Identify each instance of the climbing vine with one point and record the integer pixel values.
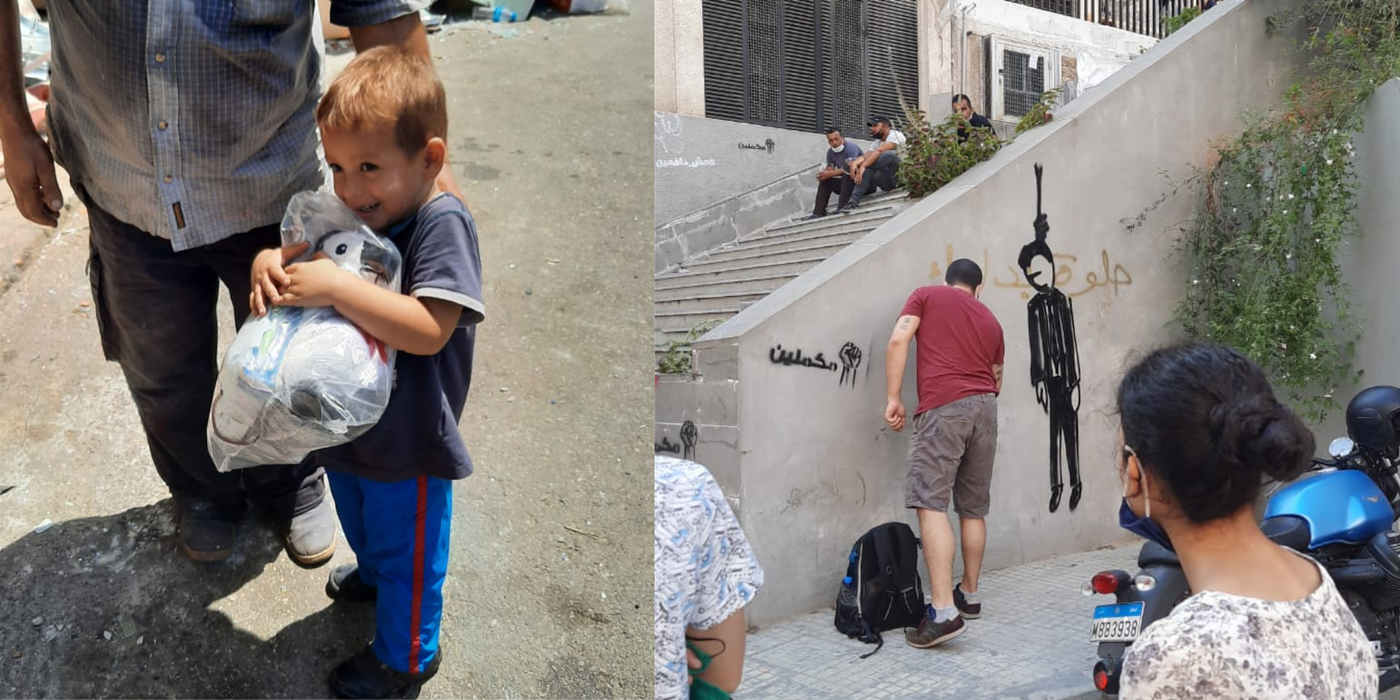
(1275, 210)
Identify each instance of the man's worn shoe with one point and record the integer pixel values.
(345, 584)
(206, 533)
(930, 633)
(365, 676)
(310, 536)
(971, 611)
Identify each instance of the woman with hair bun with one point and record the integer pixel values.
(1201, 429)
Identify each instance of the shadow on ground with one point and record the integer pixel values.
(106, 606)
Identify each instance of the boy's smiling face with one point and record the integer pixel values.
(376, 178)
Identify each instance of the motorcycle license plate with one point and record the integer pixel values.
(1117, 623)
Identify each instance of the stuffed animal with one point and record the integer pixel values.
(305, 378)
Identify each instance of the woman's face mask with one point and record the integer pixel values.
(1143, 527)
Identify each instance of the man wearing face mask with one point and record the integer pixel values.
(959, 368)
(836, 176)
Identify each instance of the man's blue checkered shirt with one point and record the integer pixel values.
(193, 119)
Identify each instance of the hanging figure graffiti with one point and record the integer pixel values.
(1054, 356)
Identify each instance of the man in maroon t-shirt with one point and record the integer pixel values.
(961, 353)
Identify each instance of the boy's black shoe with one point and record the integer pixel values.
(345, 584)
(365, 676)
(971, 611)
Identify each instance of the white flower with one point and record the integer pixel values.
(1319, 240)
(1195, 281)
(1329, 161)
(1283, 345)
(1312, 355)
(1233, 210)
(1290, 195)
(1285, 211)
(1247, 185)
(1288, 256)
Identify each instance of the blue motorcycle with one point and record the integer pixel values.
(1343, 516)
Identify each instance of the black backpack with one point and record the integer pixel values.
(882, 590)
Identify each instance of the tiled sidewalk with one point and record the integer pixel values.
(1031, 642)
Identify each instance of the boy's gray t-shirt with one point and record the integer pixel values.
(418, 432)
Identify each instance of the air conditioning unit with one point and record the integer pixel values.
(1020, 74)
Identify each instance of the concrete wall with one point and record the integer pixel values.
(816, 465)
(725, 222)
(1370, 260)
(680, 57)
(700, 162)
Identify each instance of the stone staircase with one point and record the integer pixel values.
(716, 285)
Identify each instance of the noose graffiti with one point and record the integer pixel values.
(1054, 357)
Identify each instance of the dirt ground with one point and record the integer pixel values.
(549, 571)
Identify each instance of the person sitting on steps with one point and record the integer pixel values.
(836, 176)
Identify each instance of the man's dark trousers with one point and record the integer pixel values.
(841, 183)
(883, 173)
(157, 317)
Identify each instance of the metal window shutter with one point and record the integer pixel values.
(892, 41)
(845, 69)
(723, 22)
(801, 73)
(1022, 84)
(763, 19)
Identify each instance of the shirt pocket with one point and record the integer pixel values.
(267, 14)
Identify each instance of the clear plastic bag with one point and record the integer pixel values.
(301, 379)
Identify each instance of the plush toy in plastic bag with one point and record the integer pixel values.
(300, 378)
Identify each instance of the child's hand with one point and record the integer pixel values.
(269, 278)
(316, 283)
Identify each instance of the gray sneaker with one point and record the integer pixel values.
(310, 537)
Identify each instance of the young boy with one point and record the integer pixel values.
(383, 124)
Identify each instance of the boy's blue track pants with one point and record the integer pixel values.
(399, 532)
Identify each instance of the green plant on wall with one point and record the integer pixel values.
(1039, 112)
(934, 155)
(1274, 212)
(1179, 20)
(677, 359)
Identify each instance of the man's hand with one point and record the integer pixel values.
(316, 283)
(30, 173)
(692, 661)
(269, 277)
(894, 415)
(857, 171)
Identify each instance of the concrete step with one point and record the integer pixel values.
(793, 241)
(736, 285)
(739, 270)
(864, 214)
(690, 302)
(689, 319)
(820, 249)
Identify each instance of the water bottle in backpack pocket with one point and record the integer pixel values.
(882, 589)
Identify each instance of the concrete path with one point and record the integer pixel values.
(549, 577)
(1031, 643)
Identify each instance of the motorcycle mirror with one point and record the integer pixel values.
(1341, 447)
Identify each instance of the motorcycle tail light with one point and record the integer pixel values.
(1145, 582)
(1101, 679)
(1105, 582)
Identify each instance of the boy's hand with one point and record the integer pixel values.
(269, 277)
(316, 283)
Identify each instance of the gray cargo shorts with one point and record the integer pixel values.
(951, 454)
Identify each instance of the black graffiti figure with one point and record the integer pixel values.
(1054, 357)
(689, 435)
(850, 362)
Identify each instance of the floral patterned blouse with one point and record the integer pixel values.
(1217, 645)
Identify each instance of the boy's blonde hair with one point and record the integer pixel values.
(388, 85)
